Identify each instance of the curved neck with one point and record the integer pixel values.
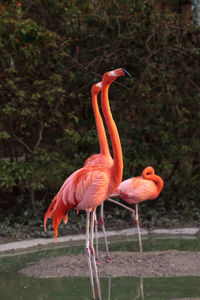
(158, 181)
(104, 148)
(115, 140)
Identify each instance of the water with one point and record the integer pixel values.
(20, 288)
(14, 285)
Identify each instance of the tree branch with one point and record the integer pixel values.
(24, 144)
(39, 137)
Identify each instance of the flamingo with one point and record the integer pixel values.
(88, 187)
(104, 157)
(138, 189)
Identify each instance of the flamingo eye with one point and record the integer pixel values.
(111, 73)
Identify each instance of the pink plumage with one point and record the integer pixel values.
(85, 189)
(137, 190)
(89, 186)
(141, 188)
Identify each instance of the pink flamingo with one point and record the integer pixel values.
(139, 189)
(89, 186)
(129, 186)
(102, 158)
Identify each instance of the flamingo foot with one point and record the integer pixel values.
(109, 259)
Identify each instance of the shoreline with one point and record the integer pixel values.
(26, 244)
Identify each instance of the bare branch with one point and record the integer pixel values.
(39, 137)
(24, 144)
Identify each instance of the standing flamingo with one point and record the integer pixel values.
(102, 158)
(89, 186)
(139, 189)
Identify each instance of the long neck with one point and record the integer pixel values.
(158, 181)
(117, 167)
(104, 148)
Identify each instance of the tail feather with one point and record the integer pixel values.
(57, 210)
(49, 212)
(65, 218)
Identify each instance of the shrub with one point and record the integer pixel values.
(51, 54)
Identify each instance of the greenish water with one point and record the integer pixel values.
(14, 285)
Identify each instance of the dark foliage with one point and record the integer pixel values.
(51, 54)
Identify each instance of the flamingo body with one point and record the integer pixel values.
(85, 189)
(137, 189)
(99, 158)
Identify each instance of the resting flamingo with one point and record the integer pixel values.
(89, 186)
(138, 189)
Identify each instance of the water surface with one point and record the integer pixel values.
(14, 285)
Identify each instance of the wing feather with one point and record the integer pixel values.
(84, 189)
(138, 189)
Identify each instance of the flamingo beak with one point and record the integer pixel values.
(126, 73)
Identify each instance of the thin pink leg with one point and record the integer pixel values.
(93, 255)
(87, 251)
(122, 205)
(108, 258)
(96, 236)
(138, 227)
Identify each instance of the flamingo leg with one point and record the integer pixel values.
(96, 236)
(88, 255)
(92, 251)
(122, 205)
(138, 227)
(108, 258)
(134, 213)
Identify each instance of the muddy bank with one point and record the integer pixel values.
(148, 264)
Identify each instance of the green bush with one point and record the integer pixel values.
(51, 54)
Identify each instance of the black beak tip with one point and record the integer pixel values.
(126, 73)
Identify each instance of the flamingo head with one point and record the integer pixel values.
(110, 76)
(148, 172)
(96, 88)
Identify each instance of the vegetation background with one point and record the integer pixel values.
(51, 52)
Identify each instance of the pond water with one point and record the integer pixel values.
(14, 285)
